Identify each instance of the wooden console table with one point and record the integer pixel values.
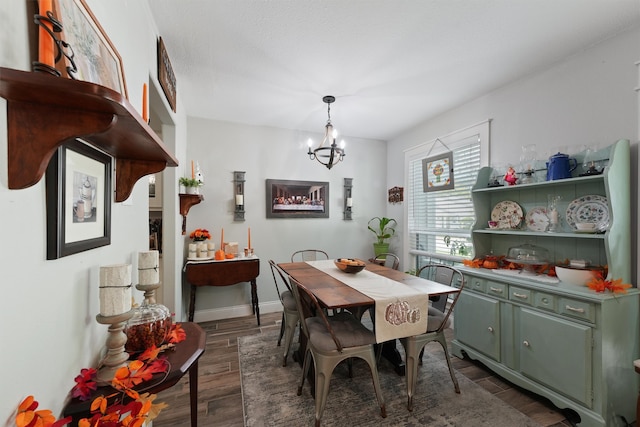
(223, 273)
(181, 359)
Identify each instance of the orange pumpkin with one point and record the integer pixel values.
(219, 255)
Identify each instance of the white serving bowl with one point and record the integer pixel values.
(574, 276)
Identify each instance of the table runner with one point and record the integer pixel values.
(400, 310)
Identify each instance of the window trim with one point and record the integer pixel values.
(481, 129)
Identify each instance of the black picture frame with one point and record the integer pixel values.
(297, 199)
(78, 175)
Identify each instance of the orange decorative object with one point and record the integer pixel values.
(229, 256)
(145, 106)
(219, 255)
(45, 41)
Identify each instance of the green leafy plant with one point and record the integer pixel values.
(457, 246)
(189, 182)
(382, 227)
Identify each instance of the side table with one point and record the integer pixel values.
(182, 359)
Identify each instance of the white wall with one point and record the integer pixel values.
(271, 153)
(588, 98)
(48, 308)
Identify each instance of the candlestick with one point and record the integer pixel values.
(45, 41)
(222, 239)
(145, 111)
(193, 174)
(249, 238)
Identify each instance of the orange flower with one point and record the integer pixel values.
(200, 235)
(599, 284)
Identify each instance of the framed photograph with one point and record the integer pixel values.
(95, 57)
(297, 199)
(78, 192)
(437, 172)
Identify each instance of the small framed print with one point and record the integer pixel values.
(437, 172)
(78, 192)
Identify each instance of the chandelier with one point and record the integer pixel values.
(328, 153)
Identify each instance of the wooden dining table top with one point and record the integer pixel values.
(333, 294)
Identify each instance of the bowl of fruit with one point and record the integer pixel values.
(350, 265)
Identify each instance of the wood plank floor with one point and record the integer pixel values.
(220, 398)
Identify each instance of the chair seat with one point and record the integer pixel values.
(349, 331)
(288, 301)
(435, 318)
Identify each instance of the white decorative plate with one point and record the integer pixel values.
(537, 219)
(592, 208)
(200, 258)
(507, 214)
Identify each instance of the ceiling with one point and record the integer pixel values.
(391, 64)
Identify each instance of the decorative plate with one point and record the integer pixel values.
(507, 214)
(537, 219)
(592, 208)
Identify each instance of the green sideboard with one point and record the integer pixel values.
(565, 342)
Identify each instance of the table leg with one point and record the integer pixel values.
(193, 393)
(391, 353)
(192, 302)
(254, 300)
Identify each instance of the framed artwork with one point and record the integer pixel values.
(78, 192)
(95, 57)
(297, 199)
(437, 172)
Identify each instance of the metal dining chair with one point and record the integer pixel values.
(388, 260)
(330, 340)
(290, 315)
(309, 255)
(438, 320)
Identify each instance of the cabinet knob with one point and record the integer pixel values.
(526, 343)
(490, 329)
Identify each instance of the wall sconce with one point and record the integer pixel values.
(348, 200)
(238, 180)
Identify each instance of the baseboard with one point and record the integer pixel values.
(234, 311)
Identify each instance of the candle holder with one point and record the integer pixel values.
(116, 357)
(348, 200)
(238, 179)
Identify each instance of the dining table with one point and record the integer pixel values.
(329, 287)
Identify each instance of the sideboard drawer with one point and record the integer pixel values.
(520, 295)
(477, 284)
(497, 289)
(579, 309)
(545, 301)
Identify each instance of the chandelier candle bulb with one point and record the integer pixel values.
(148, 271)
(115, 289)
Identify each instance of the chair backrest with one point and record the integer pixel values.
(298, 289)
(283, 279)
(446, 275)
(309, 255)
(388, 260)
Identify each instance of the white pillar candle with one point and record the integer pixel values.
(148, 269)
(193, 247)
(115, 289)
(203, 250)
(239, 200)
(211, 246)
(349, 202)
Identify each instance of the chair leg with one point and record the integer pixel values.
(371, 361)
(282, 326)
(290, 322)
(412, 350)
(324, 369)
(305, 370)
(443, 342)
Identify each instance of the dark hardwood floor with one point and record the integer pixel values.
(220, 398)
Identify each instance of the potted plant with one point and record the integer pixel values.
(191, 185)
(383, 228)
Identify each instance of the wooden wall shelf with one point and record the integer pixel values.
(44, 112)
(186, 201)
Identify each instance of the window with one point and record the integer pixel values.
(439, 223)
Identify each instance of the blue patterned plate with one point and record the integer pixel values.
(592, 208)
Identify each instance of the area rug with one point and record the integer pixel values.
(269, 394)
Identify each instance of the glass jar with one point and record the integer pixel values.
(150, 325)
